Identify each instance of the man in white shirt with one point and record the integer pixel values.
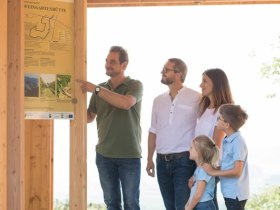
(174, 117)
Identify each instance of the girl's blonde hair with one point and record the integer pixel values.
(207, 150)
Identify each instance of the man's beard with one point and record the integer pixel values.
(167, 81)
(111, 73)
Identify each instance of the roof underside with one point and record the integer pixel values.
(121, 3)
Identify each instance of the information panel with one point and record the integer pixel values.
(48, 59)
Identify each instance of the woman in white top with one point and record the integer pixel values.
(216, 91)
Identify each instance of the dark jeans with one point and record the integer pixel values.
(173, 176)
(117, 173)
(235, 204)
(207, 205)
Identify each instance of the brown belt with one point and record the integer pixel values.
(173, 156)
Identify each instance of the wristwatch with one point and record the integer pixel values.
(97, 90)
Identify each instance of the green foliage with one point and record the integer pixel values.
(64, 205)
(47, 89)
(96, 207)
(272, 73)
(64, 86)
(268, 200)
(59, 205)
(272, 70)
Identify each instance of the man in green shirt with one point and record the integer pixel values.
(116, 104)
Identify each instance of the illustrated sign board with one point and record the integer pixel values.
(48, 59)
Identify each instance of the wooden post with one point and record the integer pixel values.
(3, 105)
(15, 129)
(39, 164)
(78, 143)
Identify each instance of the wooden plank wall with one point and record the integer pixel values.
(78, 143)
(118, 3)
(15, 129)
(39, 164)
(3, 105)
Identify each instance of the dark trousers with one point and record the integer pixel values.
(235, 204)
(173, 173)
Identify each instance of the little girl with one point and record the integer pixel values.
(203, 150)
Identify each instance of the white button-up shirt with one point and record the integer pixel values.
(174, 122)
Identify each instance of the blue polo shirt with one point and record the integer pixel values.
(235, 149)
(201, 175)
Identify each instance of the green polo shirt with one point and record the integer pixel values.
(119, 130)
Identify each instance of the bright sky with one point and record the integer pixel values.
(238, 39)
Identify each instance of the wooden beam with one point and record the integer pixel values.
(3, 104)
(121, 3)
(15, 112)
(78, 143)
(39, 164)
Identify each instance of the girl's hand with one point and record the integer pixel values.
(191, 182)
(187, 206)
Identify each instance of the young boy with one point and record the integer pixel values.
(233, 173)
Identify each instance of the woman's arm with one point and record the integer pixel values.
(218, 137)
